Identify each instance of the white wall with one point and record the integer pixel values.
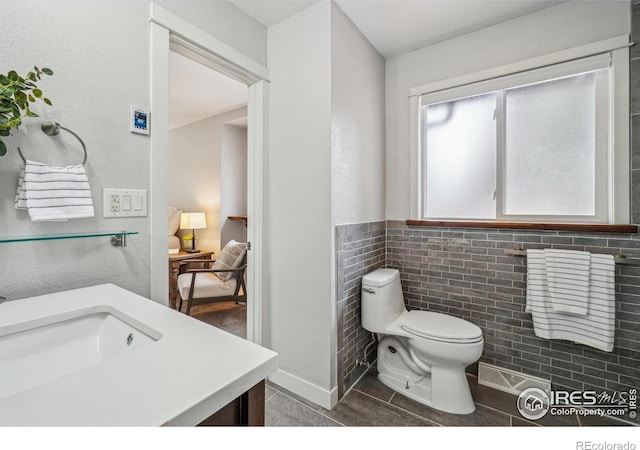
(99, 52)
(357, 125)
(98, 74)
(226, 22)
(299, 205)
(326, 167)
(567, 25)
(195, 161)
(233, 183)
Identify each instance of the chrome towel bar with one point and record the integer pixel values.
(619, 258)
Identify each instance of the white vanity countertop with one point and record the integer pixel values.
(191, 372)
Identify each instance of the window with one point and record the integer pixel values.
(535, 146)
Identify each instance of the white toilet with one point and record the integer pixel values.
(421, 354)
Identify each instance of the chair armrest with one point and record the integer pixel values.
(237, 269)
(184, 265)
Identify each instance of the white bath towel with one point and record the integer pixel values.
(568, 273)
(597, 327)
(54, 193)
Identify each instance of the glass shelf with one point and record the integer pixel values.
(52, 237)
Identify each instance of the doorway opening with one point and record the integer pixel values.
(170, 32)
(207, 174)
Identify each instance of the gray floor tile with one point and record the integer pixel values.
(482, 416)
(283, 411)
(507, 403)
(515, 422)
(369, 384)
(596, 421)
(361, 410)
(558, 421)
(294, 396)
(493, 398)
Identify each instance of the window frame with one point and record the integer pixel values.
(613, 198)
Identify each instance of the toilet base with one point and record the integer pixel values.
(444, 388)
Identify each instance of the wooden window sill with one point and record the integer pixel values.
(579, 227)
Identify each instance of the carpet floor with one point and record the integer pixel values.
(225, 315)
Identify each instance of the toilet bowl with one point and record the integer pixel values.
(421, 354)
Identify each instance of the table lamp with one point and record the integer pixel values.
(193, 221)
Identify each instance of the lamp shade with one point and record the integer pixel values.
(193, 221)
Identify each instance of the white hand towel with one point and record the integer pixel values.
(568, 273)
(597, 327)
(54, 193)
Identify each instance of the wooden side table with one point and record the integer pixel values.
(174, 266)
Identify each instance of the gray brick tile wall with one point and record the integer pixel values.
(467, 274)
(634, 91)
(360, 249)
(483, 285)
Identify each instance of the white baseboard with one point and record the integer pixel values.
(312, 392)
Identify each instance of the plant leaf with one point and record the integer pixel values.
(47, 101)
(3, 149)
(47, 71)
(37, 93)
(21, 99)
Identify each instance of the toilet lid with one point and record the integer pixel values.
(440, 327)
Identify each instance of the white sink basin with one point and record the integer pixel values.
(38, 351)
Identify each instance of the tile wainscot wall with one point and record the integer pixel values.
(465, 273)
(360, 249)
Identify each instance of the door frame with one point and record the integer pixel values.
(171, 32)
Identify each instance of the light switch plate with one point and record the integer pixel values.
(124, 202)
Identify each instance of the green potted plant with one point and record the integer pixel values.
(16, 94)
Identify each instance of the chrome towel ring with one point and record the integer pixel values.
(53, 129)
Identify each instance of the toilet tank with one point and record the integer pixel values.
(382, 299)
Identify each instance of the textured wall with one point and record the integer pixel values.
(99, 52)
(300, 250)
(233, 183)
(360, 250)
(465, 273)
(357, 125)
(98, 74)
(226, 22)
(195, 184)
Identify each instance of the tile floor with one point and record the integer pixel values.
(372, 404)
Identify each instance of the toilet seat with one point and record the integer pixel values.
(440, 327)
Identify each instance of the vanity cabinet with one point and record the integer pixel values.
(247, 410)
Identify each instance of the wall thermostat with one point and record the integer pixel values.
(139, 120)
